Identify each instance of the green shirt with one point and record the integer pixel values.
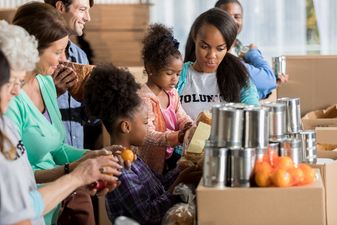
(44, 140)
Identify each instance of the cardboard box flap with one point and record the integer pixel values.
(327, 154)
(321, 118)
(328, 113)
(326, 135)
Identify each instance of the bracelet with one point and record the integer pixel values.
(66, 168)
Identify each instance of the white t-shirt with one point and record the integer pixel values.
(200, 92)
(16, 181)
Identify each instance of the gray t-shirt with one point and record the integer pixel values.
(16, 180)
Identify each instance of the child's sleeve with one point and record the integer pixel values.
(155, 137)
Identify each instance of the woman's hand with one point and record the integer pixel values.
(116, 151)
(105, 168)
(282, 78)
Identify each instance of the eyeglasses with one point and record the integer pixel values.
(16, 82)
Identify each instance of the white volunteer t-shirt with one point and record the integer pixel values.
(16, 181)
(200, 92)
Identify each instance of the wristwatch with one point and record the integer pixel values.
(66, 168)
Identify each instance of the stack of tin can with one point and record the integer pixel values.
(238, 134)
(287, 134)
(241, 134)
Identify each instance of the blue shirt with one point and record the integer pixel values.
(142, 195)
(260, 72)
(71, 110)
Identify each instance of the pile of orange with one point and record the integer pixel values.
(277, 171)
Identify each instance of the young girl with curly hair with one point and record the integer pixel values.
(167, 121)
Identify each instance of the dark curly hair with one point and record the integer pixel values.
(111, 93)
(159, 45)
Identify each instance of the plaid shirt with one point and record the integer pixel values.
(142, 195)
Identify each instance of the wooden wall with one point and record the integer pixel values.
(115, 32)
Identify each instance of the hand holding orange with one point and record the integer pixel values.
(128, 155)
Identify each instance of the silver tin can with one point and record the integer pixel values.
(277, 120)
(233, 168)
(279, 65)
(215, 123)
(293, 118)
(247, 162)
(214, 171)
(256, 127)
(309, 146)
(292, 148)
(230, 128)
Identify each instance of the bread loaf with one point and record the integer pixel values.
(204, 117)
(82, 72)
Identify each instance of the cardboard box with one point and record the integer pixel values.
(329, 176)
(326, 135)
(313, 79)
(302, 205)
(321, 118)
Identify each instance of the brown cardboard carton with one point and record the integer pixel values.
(329, 177)
(303, 205)
(326, 135)
(321, 118)
(312, 78)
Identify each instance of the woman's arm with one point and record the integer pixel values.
(86, 173)
(46, 176)
(260, 72)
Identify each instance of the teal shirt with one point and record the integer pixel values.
(248, 95)
(44, 141)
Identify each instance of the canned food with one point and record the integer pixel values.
(279, 65)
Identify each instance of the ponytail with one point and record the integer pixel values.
(231, 76)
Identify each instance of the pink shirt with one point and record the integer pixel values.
(163, 127)
(170, 118)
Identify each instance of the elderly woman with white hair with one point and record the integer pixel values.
(21, 201)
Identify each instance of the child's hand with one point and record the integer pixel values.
(182, 132)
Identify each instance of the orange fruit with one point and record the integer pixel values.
(281, 178)
(309, 173)
(263, 179)
(284, 162)
(297, 176)
(262, 166)
(128, 155)
(271, 157)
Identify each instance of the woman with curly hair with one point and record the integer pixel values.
(167, 121)
(111, 95)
